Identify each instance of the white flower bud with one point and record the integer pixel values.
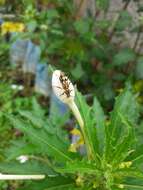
(62, 87)
(64, 90)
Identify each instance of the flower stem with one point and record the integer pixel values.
(21, 177)
(76, 113)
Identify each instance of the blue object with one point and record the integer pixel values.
(57, 105)
(42, 81)
(18, 51)
(32, 58)
(1, 21)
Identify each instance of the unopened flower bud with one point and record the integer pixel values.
(62, 87)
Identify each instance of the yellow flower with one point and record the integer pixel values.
(79, 181)
(74, 146)
(121, 186)
(75, 131)
(12, 27)
(125, 164)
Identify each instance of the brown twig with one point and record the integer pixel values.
(137, 38)
(79, 8)
(132, 64)
(113, 27)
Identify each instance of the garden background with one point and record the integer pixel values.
(98, 44)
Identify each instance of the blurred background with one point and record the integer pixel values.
(97, 43)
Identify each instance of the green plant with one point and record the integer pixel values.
(92, 46)
(11, 103)
(115, 161)
(95, 48)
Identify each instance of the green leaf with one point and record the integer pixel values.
(123, 57)
(36, 107)
(31, 26)
(137, 156)
(133, 187)
(47, 143)
(90, 134)
(20, 147)
(52, 13)
(124, 21)
(82, 26)
(131, 173)
(51, 183)
(124, 115)
(99, 116)
(139, 68)
(77, 72)
(102, 24)
(102, 4)
(82, 167)
(29, 167)
(125, 105)
(32, 117)
(123, 148)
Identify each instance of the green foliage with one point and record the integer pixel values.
(89, 127)
(114, 154)
(123, 57)
(125, 105)
(31, 167)
(102, 4)
(92, 47)
(52, 183)
(99, 116)
(82, 26)
(124, 21)
(46, 138)
(9, 105)
(139, 68)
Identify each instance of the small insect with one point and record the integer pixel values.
(65, 85)
(62, 87)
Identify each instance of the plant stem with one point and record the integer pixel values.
(136, 49)
(45, 160)
(77, 115)
(20, 177)
(137, 38)
(79, 8)
(131, 186)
